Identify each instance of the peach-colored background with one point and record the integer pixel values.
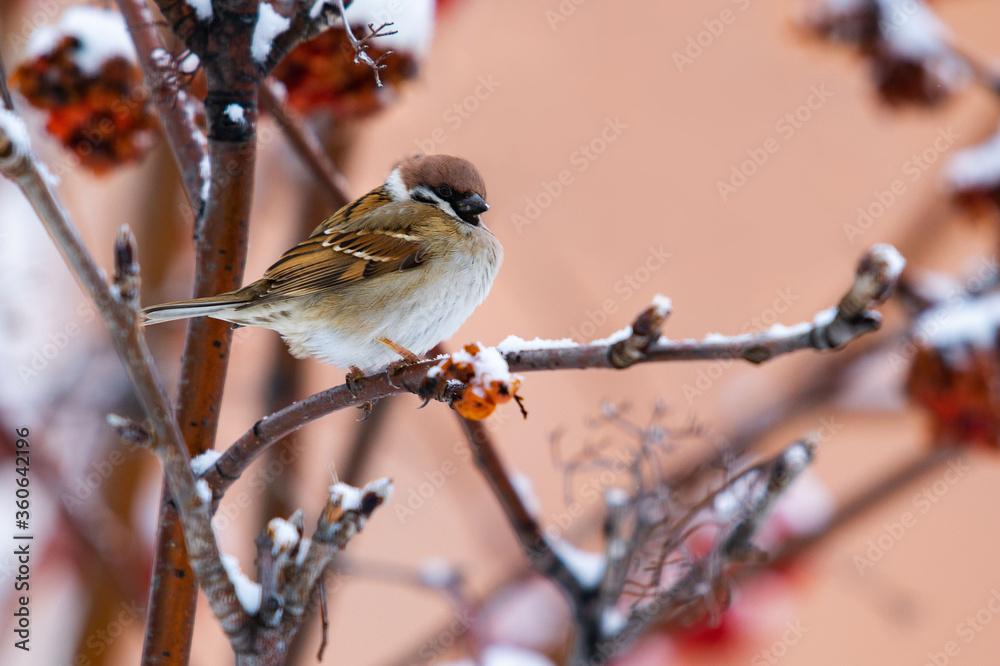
(653, 187)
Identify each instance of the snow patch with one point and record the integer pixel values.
(13, 128)
(202, 9)
(248, 592)
(512, 343)
(203, 461)
(587, 566)
(101, 33)
(978, 166)
(270, 24)
(235, 113)
(283, 533)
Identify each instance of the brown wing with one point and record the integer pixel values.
(347, 248)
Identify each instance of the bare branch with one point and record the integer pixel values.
(536, 548)
(307, 145)
(360, 46)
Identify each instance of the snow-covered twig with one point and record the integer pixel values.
(874, 282)
(289, 565)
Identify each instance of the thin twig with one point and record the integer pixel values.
(870, 497)
(536, 548)
(8, 101)
(308, 147)
(186, 140)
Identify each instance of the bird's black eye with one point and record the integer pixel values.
(444, 191)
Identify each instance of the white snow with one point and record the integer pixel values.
(505, 655)
(972, 322)
(350, 497)
(202, 9)
(613, 621)
(615, 496)
(248, 592)
(270, 24)
(190, 64)
(283, 533)
(512, 343)
(488, 365)
(824, 317)
(911, 28)
(728, 501)
(235, 113)
(617, 336)
(807, 506)
(205, 171)
(885, 253)
(587, 566)
(782, 331)
(101, 33)
(797, 457)
(161, 58)
(204, 491)
(526, 491)
(977, 166)
(203, 461)
(14, 130)
(300, 556)
(437, 572)
(715, 339)
(662, 304)
(47, 175)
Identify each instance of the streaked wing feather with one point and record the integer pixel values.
(342, 251)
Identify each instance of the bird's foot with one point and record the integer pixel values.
(408, 359)
(353, 381)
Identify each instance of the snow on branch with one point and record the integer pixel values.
(290, 565)
(874, 281)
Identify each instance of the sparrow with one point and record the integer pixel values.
(399, 269)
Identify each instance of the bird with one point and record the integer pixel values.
(381, 281)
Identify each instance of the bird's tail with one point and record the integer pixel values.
(196, 307)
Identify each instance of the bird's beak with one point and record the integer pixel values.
(470, 206)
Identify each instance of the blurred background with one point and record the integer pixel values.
(612, 137)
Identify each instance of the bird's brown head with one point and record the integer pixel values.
(450, 183)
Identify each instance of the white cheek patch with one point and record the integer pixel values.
(425, 192)
(394, 184)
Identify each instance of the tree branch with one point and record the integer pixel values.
(308, 147)
(309, 19)
(186, 140)
(18, 163)
(874, 281)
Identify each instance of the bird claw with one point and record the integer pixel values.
(368, 406)
(353, 381)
